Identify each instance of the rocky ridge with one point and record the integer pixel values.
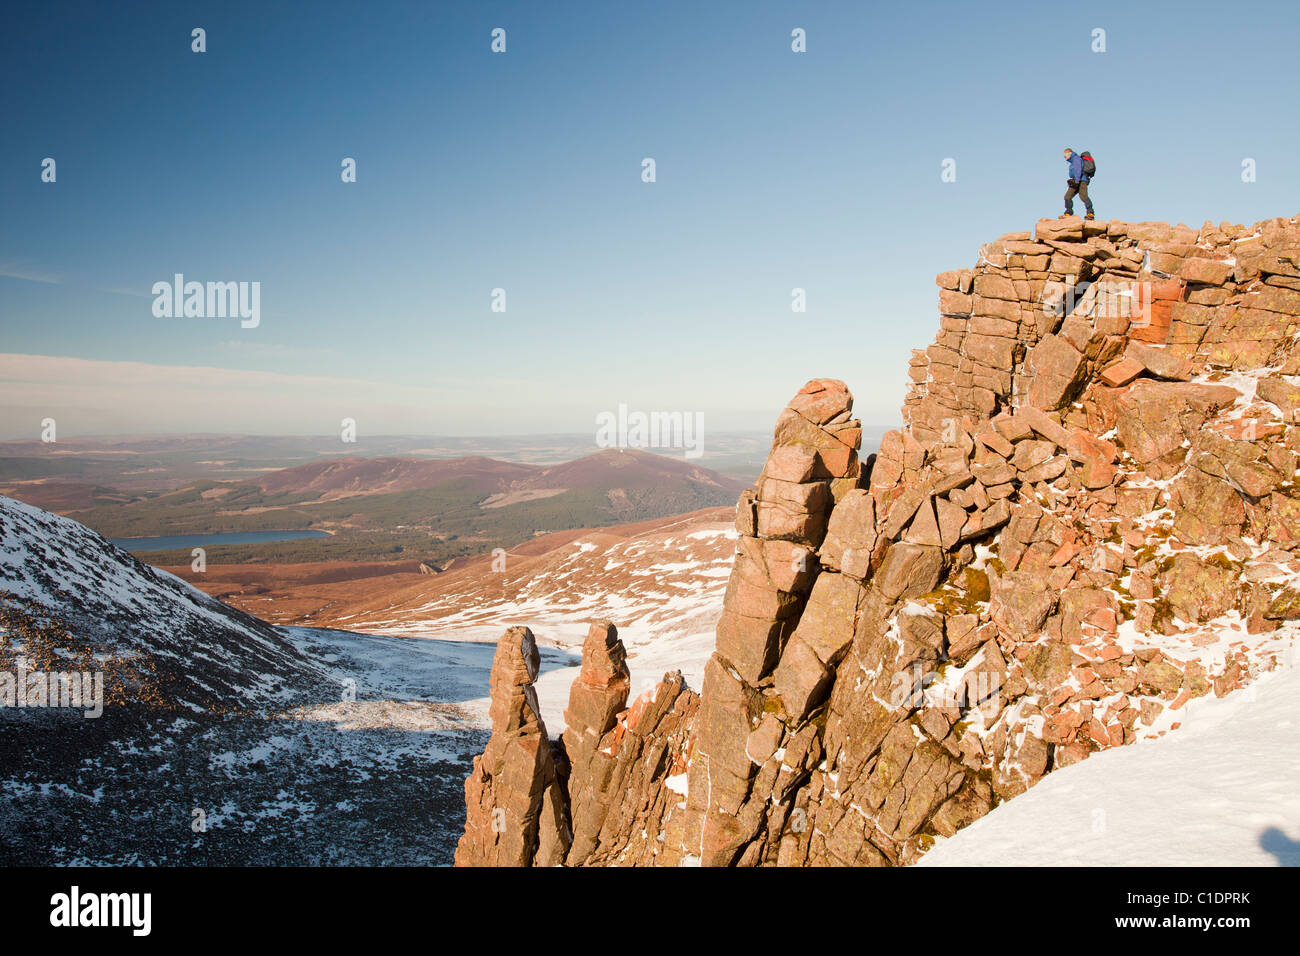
(1089, 518)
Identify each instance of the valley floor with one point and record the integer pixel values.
(374, 778)
(367, 764)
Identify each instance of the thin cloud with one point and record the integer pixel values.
(93, 396)
(276, 349)
(16, 269)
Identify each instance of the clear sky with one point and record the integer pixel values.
(522, 170)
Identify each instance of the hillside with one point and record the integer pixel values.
(153, 624)
(344, 477)
(203, 735)
(624, 563)
(286, 768)
(1088, 522)
(429, 510)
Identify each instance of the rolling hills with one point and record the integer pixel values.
(411, 509)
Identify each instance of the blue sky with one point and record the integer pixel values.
(522, 171)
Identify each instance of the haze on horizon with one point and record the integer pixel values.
(522, 171)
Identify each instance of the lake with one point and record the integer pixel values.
(167, 542)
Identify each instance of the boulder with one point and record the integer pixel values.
(909, 570)
(1159, 362)
(1207, 510)
(985, 520)
(924, 528)
(1047, 665)
(1206, 271)
(951, 519)
(1156, 421)
(830, 617)
(1057, 370)
(750, 645)
(851, 535)
(792, 463)
(1198, 589)
(1021, 603)
(1043, 424)
(823, 400)
(801, 679)
(1278, 390)
(1121, 372)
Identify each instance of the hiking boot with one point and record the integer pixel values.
(1090, 216)
(1065, 215)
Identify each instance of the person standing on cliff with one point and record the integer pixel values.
(1077, 184)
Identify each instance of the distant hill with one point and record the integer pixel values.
(79, 472)
(343, 477)
(604, 470)
(615, 468)
(398, 508)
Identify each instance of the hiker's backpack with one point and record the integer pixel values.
(1089, 164)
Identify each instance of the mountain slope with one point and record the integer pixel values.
(1224, 790)
(221, 740)
(201, 653)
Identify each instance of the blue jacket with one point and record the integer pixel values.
(1076, 168)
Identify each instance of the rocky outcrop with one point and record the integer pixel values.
(517, 813)
(596, 699)
(784, 626)
(1089, 518)
(606, 791)
(640, 787)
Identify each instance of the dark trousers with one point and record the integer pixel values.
(1081, 189)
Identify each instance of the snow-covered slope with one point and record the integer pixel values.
(222, 740)
(662, 588)
(202, 652)
(1222, 790)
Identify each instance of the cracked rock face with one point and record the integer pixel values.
(1090, 517)
(516, 808)
(596, 699)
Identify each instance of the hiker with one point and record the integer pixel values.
(1077, 183)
